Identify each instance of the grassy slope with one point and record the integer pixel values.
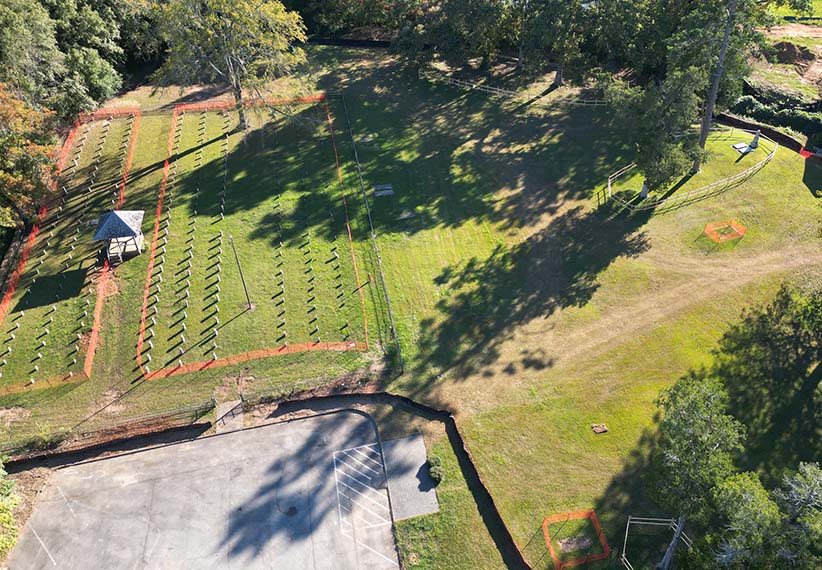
(787, 11)
(515, 304)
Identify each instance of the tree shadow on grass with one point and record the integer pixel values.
(54, 288)
(770, 365)
(485, 300)
(627, 494)
(452, 156)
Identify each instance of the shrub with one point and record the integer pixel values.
(808, 123)
(435, 469)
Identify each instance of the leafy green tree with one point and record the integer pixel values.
(752, 527)
(332, 17)
(697, 442)
(8, 500)
(657, 120)
(240, 43)
(800, 498)
(29, 56)
(60, 54)
(454, 30)
(554, 31)
(88, 35)
(26, 154)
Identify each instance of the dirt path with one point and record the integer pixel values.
(712, 277)
(794, 31)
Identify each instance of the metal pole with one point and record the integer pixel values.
(240, 268)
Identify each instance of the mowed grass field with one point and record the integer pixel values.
(519, 305)
(282, 208)
(45, 333)
(534, 315)
(274, 190)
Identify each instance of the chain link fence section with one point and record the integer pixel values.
(48, 436)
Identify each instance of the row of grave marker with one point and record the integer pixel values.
(53, 221)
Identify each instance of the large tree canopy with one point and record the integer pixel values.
(26, 156)
(240, 43)
(769, 364)
(66, 55)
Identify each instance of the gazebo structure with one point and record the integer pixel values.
(122, 230)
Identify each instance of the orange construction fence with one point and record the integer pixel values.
(562, 517)
(725, 231)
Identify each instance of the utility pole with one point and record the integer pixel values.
(242, 278)
(711, 103)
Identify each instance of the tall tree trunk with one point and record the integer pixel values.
(558, 77)
(521, 56)
(238, 99)
(711, 103)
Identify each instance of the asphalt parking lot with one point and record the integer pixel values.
(304, 494)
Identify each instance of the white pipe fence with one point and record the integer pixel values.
(691, 196)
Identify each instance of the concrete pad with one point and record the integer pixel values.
(411, 487)
(229, 416)
(267, 497)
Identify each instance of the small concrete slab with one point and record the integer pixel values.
(229, 416)
(410, 485)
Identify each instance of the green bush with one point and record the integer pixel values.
(8, 529)
(435, 469)
(807, 123)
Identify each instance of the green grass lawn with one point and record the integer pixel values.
(724, 162)
(282, 208)
(788, 11)
(46, 331)
(519, 305)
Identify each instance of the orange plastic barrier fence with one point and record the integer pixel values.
(254, 355)
(91, 349)
(562, 517)
(725, 231)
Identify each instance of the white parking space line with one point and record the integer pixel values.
(362, 499)
(43, 544)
